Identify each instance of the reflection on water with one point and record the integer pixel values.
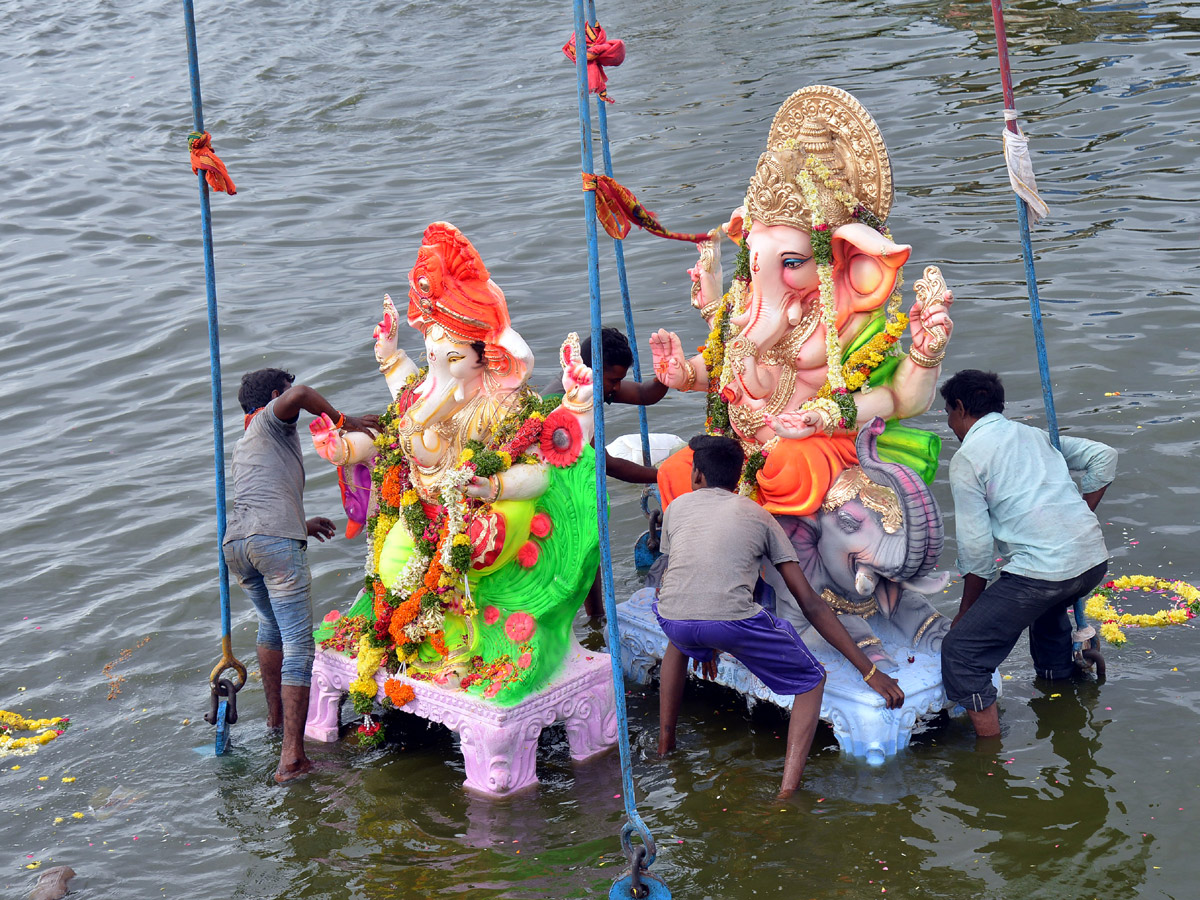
(350, 127)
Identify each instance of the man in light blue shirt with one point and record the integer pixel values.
(1013, 493)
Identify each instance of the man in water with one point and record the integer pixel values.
(1014, 491)
(266, 540)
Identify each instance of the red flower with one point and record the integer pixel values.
(527, 556)
(541, 526)
(520, 627)
(562, 438)
(491, 615)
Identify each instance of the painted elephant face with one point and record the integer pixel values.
(784, 275)
(455, 376)
(855, 547)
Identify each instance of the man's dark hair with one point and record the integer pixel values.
(257, 387)
(980, 392)
(616, 348)
(718, 459)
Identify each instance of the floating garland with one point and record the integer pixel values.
(43, 731)
(1100, 606)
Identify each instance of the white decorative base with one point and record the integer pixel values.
(862, 725)
(499, 744)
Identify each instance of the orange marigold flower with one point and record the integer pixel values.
(398, 692)
(438, 641)
(407, 611)
(393, 486)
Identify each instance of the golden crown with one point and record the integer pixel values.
(829, 126)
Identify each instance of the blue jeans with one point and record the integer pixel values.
(988, 631)
(274, 573)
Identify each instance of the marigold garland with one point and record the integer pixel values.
(1099, 605)
(399, 693)
(44, 731)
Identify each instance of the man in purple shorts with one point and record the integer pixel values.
(716, 540)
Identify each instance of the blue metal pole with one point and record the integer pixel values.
(610, 606)
(619, 252)
(214, 344)
(1035, 306)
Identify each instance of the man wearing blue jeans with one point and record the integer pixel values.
(1013, 491)
(266, 544)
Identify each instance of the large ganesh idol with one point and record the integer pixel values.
(482, 538)
(804, 350)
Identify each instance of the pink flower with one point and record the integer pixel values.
(491, 615)
(527, 556)
(541, 526)
(524, 660)
(493, 689)
(332, 616)
(520, 627)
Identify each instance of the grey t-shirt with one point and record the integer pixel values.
(268, 480)
(717, 540)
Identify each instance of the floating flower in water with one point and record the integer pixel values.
(1099, 605)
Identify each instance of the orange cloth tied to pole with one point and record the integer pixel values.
(203, 157)
(601, 52)
(617, 209)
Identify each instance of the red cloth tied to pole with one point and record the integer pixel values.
(617, 209)
(601, 52)
(203, 157)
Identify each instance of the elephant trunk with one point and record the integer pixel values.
(922, 517)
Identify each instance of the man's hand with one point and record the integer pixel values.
(886, 687)
(321, 528)
(362, 423)
(707, 670)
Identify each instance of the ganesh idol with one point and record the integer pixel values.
(478, 498)
(804, 347)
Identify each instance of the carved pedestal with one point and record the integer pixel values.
(862, 725)
(499, 744)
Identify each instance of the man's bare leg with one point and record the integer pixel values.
(292, 760)
(270, 665)
(986, 721)
(671, 674)
(805, 710)
(593, 603)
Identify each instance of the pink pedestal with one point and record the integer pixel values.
(499, 744)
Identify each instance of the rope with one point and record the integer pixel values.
(634, 823)
(204, 176)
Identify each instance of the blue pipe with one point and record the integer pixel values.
(1035, 309)
(214, 343)
(610, 605)
(619, 252)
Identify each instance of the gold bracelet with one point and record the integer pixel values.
(497, 488)
(391, 362)
(573, 405)
(871, 674)
(690, 372)
(925, 362)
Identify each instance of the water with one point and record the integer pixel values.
(349, 127)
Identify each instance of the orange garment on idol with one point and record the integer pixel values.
(793, 482)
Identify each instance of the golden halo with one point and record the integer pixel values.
(834, 127)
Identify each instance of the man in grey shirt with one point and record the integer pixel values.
(716, 540)
(265, 545)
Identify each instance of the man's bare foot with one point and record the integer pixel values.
(784, 794)
(666, 743)
(284, 774)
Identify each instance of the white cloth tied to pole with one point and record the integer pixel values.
(1020, 168)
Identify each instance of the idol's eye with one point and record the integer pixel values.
(848, 522)
(423, 285)
(454, 357)
(795, 262)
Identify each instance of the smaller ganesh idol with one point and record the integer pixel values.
(480, 504)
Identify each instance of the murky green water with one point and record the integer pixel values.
(348, 128)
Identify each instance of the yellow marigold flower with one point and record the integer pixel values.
(505, 458)
(76, 815)
(1112, 633)
(461, 540)
(68, 780)
(409, 498)
(466, 456)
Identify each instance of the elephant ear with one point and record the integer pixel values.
(865, 267)
(804, 533)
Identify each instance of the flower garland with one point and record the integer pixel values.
(1100, 605)
(716, 361)
(44, 731)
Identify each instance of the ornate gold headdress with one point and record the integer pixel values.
(853, 484)
(828, 125)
